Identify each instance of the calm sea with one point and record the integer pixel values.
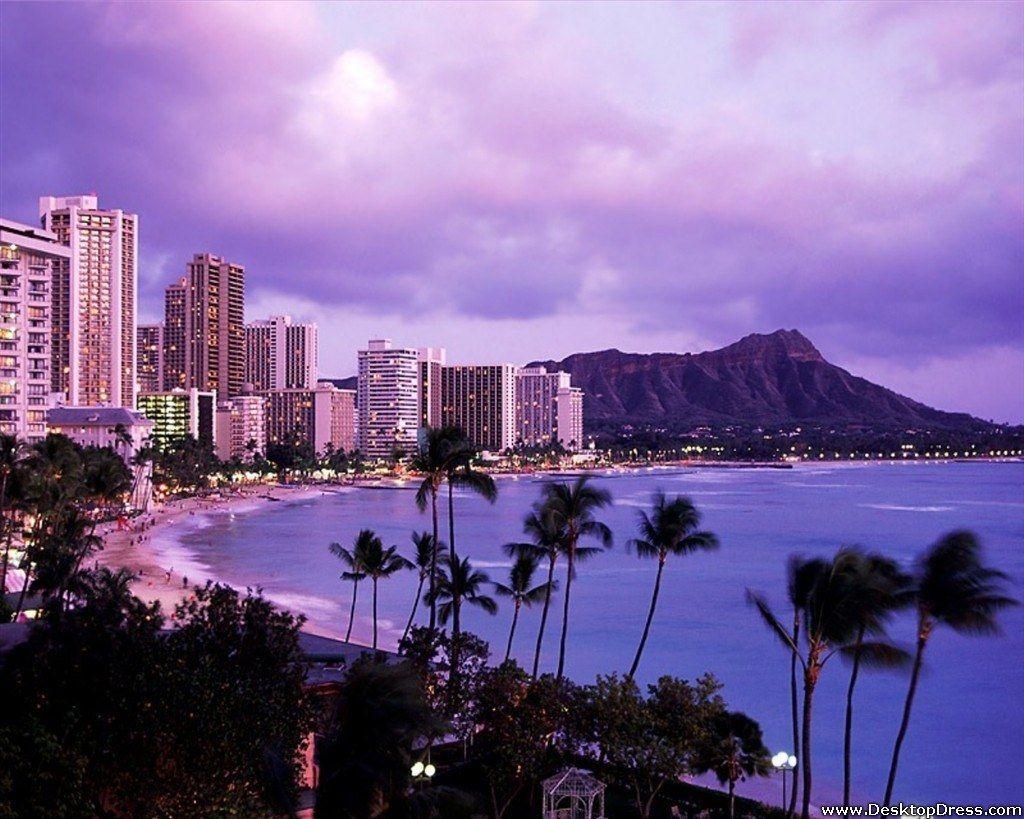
(966, 741)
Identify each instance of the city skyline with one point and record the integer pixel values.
(650, 179)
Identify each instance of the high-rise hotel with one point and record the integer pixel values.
(150, 357)
(29, 257)
(280, 355)
(204, 328)
(94, 294)
(387, 400)
(480, 399)
(548, 409)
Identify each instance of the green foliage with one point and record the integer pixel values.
(185, 464)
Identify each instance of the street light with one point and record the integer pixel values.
(422, 771)
(784, 761)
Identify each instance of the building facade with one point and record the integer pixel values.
(569, 409)
(431, 362)
(480, 399)
(548, 409)
(95, 299)
(387, 397)
(322, 416)
(204, 327)
(150, 357)
(177, 414)
(343, 419)
(241, 427)
(123, 430)
(280, 355)
(29, 258)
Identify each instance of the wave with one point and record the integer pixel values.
(894, 507)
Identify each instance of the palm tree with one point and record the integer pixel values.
(548, 538)
(734, 750)
(519, 591)
(881, 588)
(953, 588)
(352, 559)
(425, 561)
(10, 455)
(670, 529)
(432, 461)
(573, 507)
(828, 626)
(460, 581)
(378, 563)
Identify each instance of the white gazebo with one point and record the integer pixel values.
(573, 794)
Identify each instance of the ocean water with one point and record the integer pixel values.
(966, 739)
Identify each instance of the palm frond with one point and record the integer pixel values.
(770, 620)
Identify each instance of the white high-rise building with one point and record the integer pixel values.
(95, 295)
(29, 258)
(388, 400)
(548, 409)
(280, 355)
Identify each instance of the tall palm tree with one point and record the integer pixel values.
(881, 588)
(573, 507)
(953, 588)
(828, 627)
(734, 750)
(460, 581)
(669, 529)
(521, 591)
(460, 473)
(547, 541)
(352, 560)
(432, 461)
(425, 561)
(800, 578)
(378, 563)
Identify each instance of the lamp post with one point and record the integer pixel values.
(422, 772)
(784, 761)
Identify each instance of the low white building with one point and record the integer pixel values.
(118, 428)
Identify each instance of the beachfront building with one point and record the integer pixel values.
(387, 397)
(150, 357)
(548, 409)
(94, 299)
(480, 400)
(204, 327)
(123, 430)
(322, 416)
(29, 257)
(432, 359)
(280, 355)
(241, 427)
(178, 414)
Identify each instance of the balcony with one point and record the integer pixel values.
(10, 256)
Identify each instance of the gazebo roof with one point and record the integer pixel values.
(574, 781)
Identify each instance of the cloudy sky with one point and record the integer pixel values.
(530, 180)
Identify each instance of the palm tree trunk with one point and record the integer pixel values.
(352, 610)
(565, 611)
(375, 613)
(848, 737)
(922, 640)
(796, 709)
(650, 617)
(805, 749)
(433, 560)
(512, 631)
(732, 799)
(544, 615)
(456, 593)
(415, 604)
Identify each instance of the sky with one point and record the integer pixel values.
(524, 181)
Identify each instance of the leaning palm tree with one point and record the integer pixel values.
(828, 627)
(378, 563)
(669, 529)
(733, 751)
(425, 561)
(573, 507)
(954, 588)
(460, 581)
(547, 541)
(881, 588)
(521, 591)
(433, 461)
(352, 560)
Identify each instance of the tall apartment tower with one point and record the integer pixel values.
(150, 357)
(431, 362)
(94, 301)
(388, 400)
(29, 258)
(481, 401)
(204, 327)
(280, 355)
(548, 409)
